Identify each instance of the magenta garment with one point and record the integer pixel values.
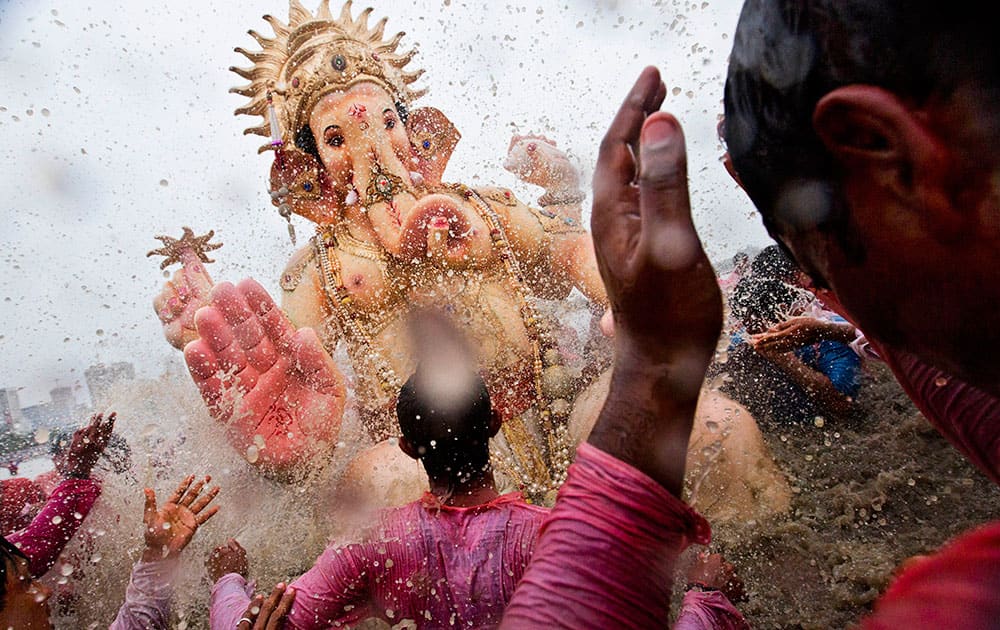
(968, 417)
(148, 597)
(44, 539)
(709, 611)
(958, 587)
(437, 565)
(606, 555)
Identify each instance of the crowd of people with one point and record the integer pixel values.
(863, 131)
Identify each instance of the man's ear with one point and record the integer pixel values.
(407, 447)
(878, 138)
(496, 422)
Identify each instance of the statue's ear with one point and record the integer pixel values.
(434, 138)
(305, 185)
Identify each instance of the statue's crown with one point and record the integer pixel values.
(314, 55)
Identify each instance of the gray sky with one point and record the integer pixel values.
(117, 125)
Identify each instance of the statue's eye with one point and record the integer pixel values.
(390, 122)
(333, 137)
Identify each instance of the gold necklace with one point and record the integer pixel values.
(538, 473)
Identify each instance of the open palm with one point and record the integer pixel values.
(275, 387)
(170, 528)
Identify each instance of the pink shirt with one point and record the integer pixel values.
(709, 611)
(44, 539)
(606, 555)
(439, 566)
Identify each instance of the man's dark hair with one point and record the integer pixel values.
(451, 429)
(761, 302)
(9, 555)
(772, 262)
(788, 54)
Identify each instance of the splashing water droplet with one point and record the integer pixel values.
(819, 421)
(940, 381)
(42, 435)
(253, 454)
(56, 520)
(66, 569)
(164, 183)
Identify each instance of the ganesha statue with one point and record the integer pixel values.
(355, 157)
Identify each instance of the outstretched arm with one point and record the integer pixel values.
(44, 539)
(167, 531)
(606, 555)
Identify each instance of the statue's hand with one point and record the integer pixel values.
(181, 297)
(536, 160)
(274, 386)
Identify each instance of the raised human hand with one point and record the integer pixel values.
(665, 300)
(85, 449)
(180, 299)
(537, 160)
(275, 387)
(663, 293)
(169, 529)
(268, 614)
(225, 559)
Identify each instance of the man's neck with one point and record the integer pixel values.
(474, 491)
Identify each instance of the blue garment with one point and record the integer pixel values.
(837, 361)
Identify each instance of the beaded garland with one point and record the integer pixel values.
(538, 473)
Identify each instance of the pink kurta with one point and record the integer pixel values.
(44, 539)
(439, 566)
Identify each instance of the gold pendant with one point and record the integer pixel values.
(383, 186)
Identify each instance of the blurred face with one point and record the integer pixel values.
(353, 129)
(25, 606)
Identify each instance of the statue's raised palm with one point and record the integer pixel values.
(275, 387)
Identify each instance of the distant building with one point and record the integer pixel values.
(101, 377)
(10, 408)
(63, 403)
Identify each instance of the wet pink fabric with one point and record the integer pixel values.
(44, 539)
(606, 554)
(958, 587)
(709, 611)
(439, 566)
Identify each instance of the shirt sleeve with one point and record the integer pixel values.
(147, 598)
(44, 539)
(335, 591)
(709, 611)
(955, 588)
(231, 595)
(605, 556)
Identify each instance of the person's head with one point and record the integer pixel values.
(447, 423)
(23, 600)
(865, 132)
(760, 303)
(771, 262)
(740, 262)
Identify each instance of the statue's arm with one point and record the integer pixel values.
(555, 251)
(302, 297)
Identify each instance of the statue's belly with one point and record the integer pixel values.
(490, 317)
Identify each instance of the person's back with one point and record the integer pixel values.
(437, 565)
